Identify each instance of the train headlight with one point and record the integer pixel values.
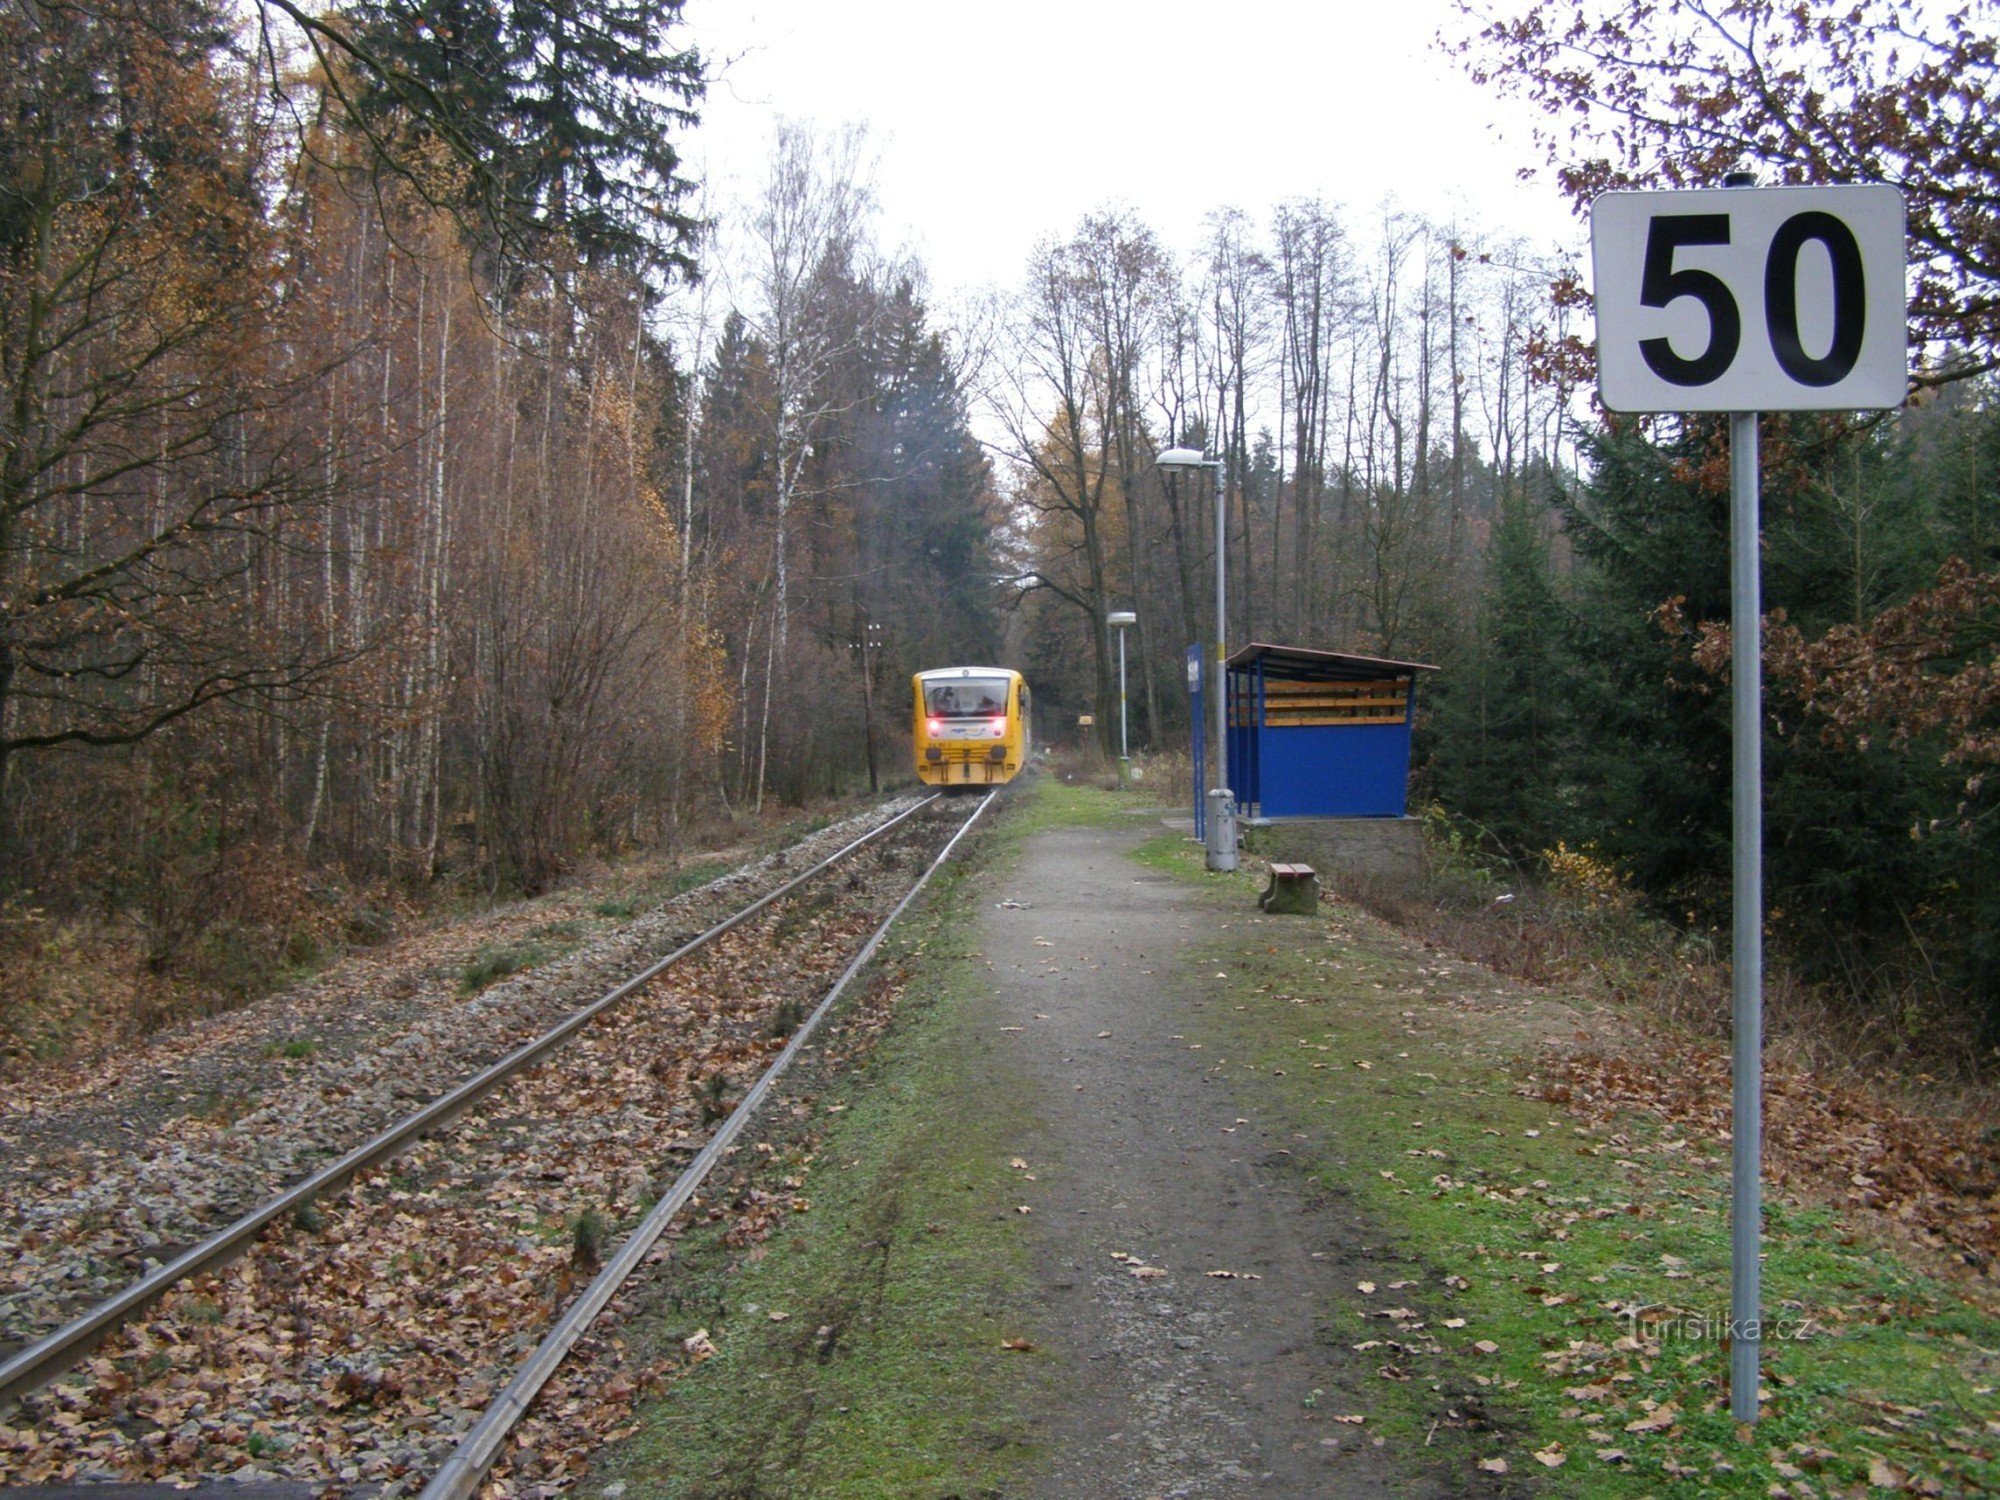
(998, 726)
(934, 727)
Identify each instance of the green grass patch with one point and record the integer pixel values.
(1565, 1288)
(861, 1354)
(1040, 801)
(496, 961)
(663, 887)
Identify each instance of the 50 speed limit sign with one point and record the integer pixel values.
(1750, 299)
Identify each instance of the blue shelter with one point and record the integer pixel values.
(1317, 734)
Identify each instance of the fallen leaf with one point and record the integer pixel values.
(1019, 1346)
(1366, 1286)
(1884, 1475)
(1552, 1456)
(1493, 1465)
(1659, 1419)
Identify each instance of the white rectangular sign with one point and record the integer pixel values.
(1750, 299)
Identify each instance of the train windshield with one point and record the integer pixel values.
(966, 698)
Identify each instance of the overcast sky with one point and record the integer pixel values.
(996, 126)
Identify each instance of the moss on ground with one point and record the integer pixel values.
(860, 1352)
(1566, 1286)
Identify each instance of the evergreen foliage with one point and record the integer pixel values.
(1500, 722)
(563, 117)
(1582, 714)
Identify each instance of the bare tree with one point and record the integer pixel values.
(1063, 417)
(806, 231)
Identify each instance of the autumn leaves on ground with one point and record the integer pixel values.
(1542, 1171)
(1544, 1177)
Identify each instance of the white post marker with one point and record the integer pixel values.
(1745, 300)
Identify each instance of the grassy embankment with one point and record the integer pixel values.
(1564, 1284)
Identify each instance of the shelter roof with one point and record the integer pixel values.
(1303, 664)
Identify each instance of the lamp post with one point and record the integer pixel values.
(1121, 618)
(1221, 801)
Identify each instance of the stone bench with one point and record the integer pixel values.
(1294, 891)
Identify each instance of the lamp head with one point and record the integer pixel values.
(1182, 458)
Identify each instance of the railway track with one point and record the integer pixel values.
(353, 1328)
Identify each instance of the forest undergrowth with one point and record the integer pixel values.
(239, 924)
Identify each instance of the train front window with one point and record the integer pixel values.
(966, 698)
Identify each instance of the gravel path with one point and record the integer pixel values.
(1151, 1177)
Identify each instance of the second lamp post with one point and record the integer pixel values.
(1221, 801)
(1121, 618)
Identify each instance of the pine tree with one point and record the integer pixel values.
(1502, 712)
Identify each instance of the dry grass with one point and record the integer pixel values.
(1165, 778)
(74, 984)
(1904, 1040)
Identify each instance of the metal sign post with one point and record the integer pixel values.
(1746, 967)
(1740, 301)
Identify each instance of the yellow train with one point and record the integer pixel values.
(971, 726)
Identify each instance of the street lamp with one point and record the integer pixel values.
(1121, 618)
(1221, 801)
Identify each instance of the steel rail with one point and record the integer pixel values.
(37, 1363)
(461, 1475)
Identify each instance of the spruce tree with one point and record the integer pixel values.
(561, 114)
(1501, 711)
